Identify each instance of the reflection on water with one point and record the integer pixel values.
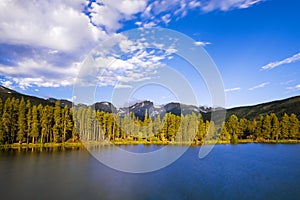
(250, 171)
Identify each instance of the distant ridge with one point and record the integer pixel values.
(279, 107)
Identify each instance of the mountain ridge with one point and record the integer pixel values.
(279, 107)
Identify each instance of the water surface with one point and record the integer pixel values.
(246, 171)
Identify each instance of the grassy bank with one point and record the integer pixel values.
(145, 142)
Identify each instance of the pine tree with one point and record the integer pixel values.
(275, 130)
(201, 129)
(66, 124)
(258, 127)
(233, 128)
(28, 119)
(266, 127)
(14, 119)
(294, 126)
(6, 121)
(284, 126)
(34, 133)
(243, 128)
(44, 124)
(21, 121)
(57, 122)
(1, 107)
(1, 126)
(225, 136)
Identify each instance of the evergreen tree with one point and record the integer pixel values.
(258, 127)
(233, 128)
(266, 127)
(1, 126)
(14, 119)
(275, 130)
(243, 128)
(57, 122)
(201, 129)
(28, 119)
(1, 107)
(6, 121)
(284, 126)
(225, 136)
(21, 121)
(34, 133)
(66, 124)
(294, 126)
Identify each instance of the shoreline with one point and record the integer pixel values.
(118, 143)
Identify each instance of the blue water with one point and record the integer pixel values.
(246, 171)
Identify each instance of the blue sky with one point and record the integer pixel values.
(255, 45)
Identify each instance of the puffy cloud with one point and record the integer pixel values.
(29, 72)
(44, 41)
(56, 24)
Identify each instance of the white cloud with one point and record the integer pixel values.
(28, 72)
(294, 88)
(56, 24)
(59, 33)
(7, 84)
(289, 60)
(287, 82)
(225, 5)
(200, 43)
(232, 89)
(260, 86)
(110, 13)
(121, 86)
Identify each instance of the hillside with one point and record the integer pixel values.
(8, 93)
(279, 107)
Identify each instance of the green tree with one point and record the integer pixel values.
(201, 129)
(275, 130)
(6, 121)
(233, 128)
(266, 127)
(57, 122)
(34, 133)
(258, 127)
(21, 121)
(14, 119)
(225, 136)
(67, 125)
(28, 119)
(294, 126)
(1, 126)
(285, 126)
(1, 107)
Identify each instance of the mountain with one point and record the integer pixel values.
(105, 107)
(9, 93)
(279, 107)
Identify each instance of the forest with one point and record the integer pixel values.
(24, 123)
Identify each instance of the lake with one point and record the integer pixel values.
(245, 171)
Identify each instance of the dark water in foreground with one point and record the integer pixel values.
(248, 171)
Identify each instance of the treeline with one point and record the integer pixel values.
(22, 122)
(97, 126)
